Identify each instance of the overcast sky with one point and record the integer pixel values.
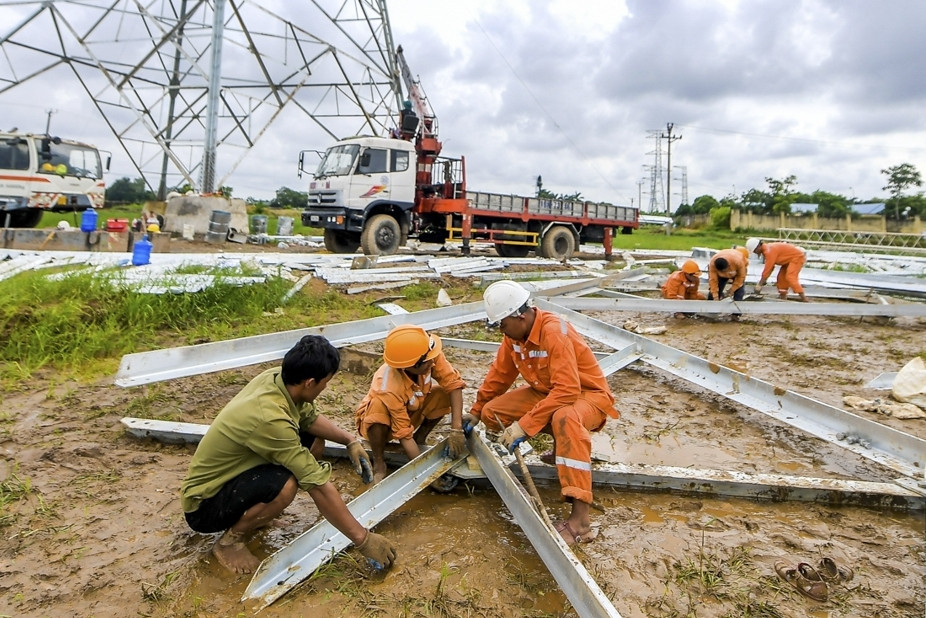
(829, 91)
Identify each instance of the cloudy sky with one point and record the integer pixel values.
(574, 90)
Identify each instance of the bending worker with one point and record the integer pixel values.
(727, 266)
(249, 465)
(566, 394)
(683, 284)
(788, 257)
(411, 392)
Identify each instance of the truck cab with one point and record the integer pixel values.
(41, 172)
(361, 194)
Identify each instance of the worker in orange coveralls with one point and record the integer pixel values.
(791, 260)
(727, 266)
(566, 395)
(411, 392)
(683, 284)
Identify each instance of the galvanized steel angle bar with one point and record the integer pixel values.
(289, 566)
(580, 587)
(157, 365)
(889, 447)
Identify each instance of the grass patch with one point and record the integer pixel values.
(681, 239)
(12, 489)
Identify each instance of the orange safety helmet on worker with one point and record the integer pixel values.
(683, 284)
(408, 345)
(566, 392)
(410, 393)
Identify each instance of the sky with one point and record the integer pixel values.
(579, 91)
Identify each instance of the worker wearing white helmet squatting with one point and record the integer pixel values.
(411, 392)
(566, 394)
(788, 257)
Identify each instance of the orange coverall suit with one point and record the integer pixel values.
(566, 392)
(790, 258)
(677, 287)
(394, 399)
(736, 272)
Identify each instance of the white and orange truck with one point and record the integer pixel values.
(377, 192)
(41, 172)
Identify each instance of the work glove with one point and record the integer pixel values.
(378, 550)
(758, 289)
(456, 445)
(470, 421)
(513, 436)
(360, 460)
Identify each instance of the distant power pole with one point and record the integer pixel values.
(48, 122)
(683, 176)
(669, 139)
(656, 194)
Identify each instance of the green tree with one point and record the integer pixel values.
(703, 204)
(899, 179)
(830, 205)
(289, 198)
(782, 193)
(127, 191)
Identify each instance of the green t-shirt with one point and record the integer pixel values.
(260, 425)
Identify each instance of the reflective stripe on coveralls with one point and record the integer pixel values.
(790, 258)
(567, 393)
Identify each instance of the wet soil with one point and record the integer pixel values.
(91, 522)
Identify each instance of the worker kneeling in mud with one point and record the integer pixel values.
(683, 285)
(253, 459)
(566, 395)
(411, 392)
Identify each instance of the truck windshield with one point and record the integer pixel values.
(338, 160)
(70, 160)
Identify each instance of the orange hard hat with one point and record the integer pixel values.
(744, 251)
(406, 345)
(691, 267)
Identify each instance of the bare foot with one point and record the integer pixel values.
(573, 534)
(232, 553)
(379, 471)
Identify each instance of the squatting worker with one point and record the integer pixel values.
(788, 257)
(252, 460)
(727, 266)
(566, 394)
(411, 392)
(683, 284)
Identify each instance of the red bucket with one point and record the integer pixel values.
(117, 225)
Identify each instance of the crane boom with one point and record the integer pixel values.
(417, 96)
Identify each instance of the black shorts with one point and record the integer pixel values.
(220, 512)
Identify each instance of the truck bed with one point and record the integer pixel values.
(497, 204)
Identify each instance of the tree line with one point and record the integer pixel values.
(781, 194)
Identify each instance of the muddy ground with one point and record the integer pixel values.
(96, 529)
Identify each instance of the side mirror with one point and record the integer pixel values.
(365, 159)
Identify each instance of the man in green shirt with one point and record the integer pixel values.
(252, 460)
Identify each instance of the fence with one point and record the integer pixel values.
(740, 220)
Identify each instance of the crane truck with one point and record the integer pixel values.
(41, 172)
(377, 192)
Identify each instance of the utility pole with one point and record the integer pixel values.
(48, 122)
(539, 184)
(669, 138)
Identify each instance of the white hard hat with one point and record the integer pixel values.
(502, 299)
(751, 244)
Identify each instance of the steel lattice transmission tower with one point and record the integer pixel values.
(189, 86)
(657, 196)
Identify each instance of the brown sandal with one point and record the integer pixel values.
(588, 537)
(804, 579)
(832, 572)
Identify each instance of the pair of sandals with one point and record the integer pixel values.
(811, 582)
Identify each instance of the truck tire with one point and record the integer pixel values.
(381, 236)
(558, 243)
(337, 241)
(511, 251)
(26, 217)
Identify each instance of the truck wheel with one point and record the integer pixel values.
(27, 217)
(512, 251)
(341, 242)
(558, 243)
(380, 236)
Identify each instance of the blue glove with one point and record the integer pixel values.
(470, 421)
(513, 436)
